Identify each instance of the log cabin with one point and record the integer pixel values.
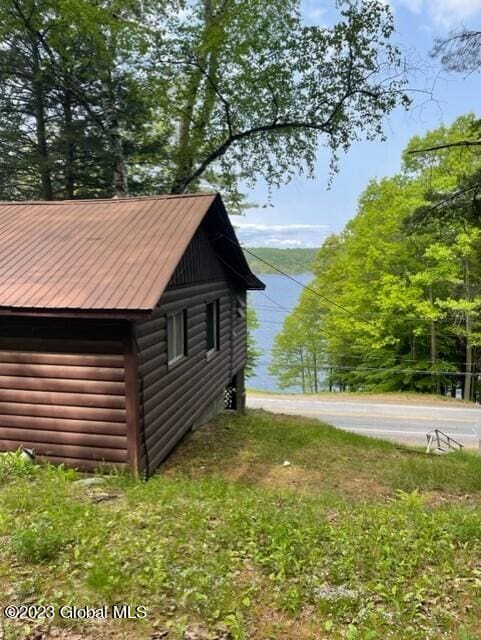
(122, 326)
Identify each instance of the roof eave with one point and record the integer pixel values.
(243, 270)
(254, 284)
(98, 314)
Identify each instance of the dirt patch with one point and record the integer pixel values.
(42, 632)
(365, 488)
(440, 498)
(269, 623)
(236, 462)
(89, 630)
(295, 478)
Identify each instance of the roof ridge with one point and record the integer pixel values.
(165, 196)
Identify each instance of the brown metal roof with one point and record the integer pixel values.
(116, 254)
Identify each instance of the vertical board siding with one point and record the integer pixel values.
(173, 398)
(63, 397)
(199, 262)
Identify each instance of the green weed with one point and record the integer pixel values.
(13, 465)
(38, 543)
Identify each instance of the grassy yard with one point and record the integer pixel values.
(262, 527)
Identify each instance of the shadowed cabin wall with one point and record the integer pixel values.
(62, 389)
(173, 398)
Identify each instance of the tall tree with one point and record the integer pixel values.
(399, 304)
(256, 91)
(68, 71)
(459, 53)
(154, 96)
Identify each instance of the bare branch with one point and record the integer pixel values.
(424, 215)
(217, 153)
(448, 145)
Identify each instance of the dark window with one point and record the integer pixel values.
(212, 327)
(176, 337)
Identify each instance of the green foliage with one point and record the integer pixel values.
(13, 464)
(39, 543)
(203, 543)
(253, 354)
(173, 96)
(297, 354)
(292, 261)
(404, 300)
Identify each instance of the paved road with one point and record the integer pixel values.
(407, 423)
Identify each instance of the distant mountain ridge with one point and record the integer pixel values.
(291, 261)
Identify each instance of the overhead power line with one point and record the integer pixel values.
(328, 367)
(347, 356)
(301, 284)
(279, 307)
(345, 310)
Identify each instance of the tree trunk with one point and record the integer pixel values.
(200, 99)
(469, 347)
(413, 358)
(314, 361)
(40, 126)
(184, 153)
(303, 374)
(436, 384)
(119, 167)
(468, 376)
(69, 173)
(474, 376)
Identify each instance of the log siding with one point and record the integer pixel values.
(64, 397)
(172, 399)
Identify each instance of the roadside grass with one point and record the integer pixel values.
(354, 539)
(395, 397)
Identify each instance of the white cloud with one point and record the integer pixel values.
(449, 12)
(279, 227)
(285, 243)
(415, 6)
(281, 235)
(444, 13)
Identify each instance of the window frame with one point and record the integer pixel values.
(210, 353)
(172, 336)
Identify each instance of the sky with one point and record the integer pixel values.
(304, 212)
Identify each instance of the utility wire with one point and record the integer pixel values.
(281, 323)
(301, 284)
(308, 312)
(325, 366)
(278, 304)
(346, 356)
(339, 306)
